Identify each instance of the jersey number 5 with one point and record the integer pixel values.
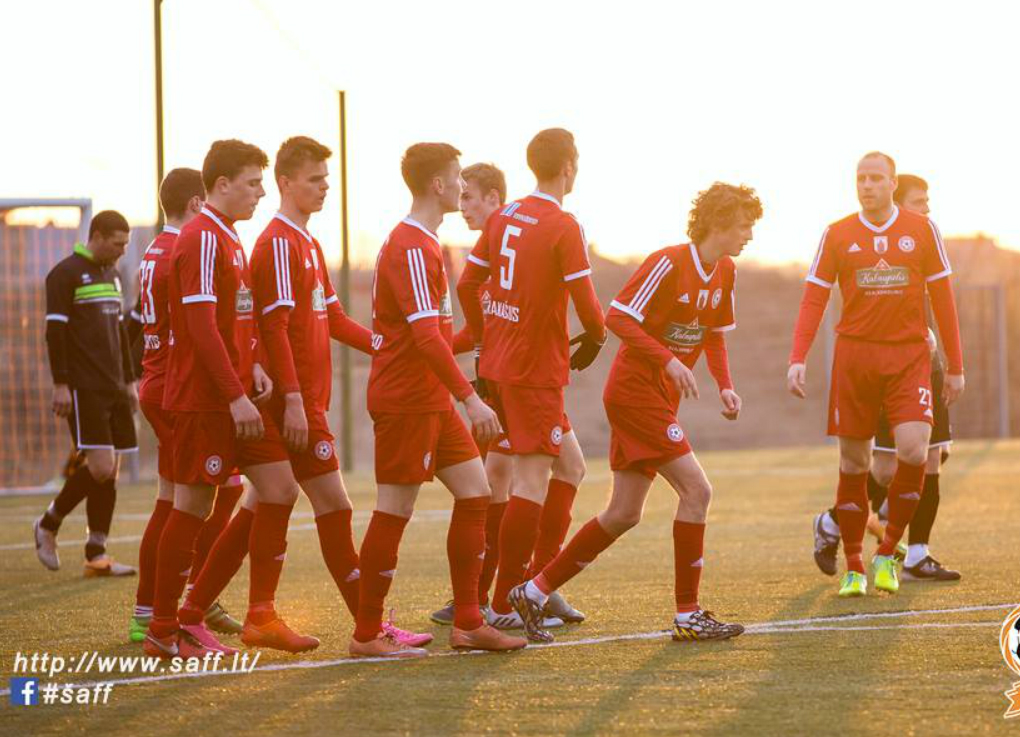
(506, 273)
(148, 304)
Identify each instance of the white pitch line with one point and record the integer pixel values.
(426, 515)
(761, 628)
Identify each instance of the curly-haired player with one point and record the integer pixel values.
(678, 304)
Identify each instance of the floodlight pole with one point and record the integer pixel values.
(346, 410)
(158, 30)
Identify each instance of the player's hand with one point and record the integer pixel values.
(731, 404)
(61, 400)
(132, 395)
(484, 422)
(683, 377)
(586, 352)
(295, 422)
(952, 388)
(247, 420)
(263, 384)
(796, 378)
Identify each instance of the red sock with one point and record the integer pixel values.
(852, 515)
(226, 500)
(517, 536)
(554, 524)
(493, 519)
(581, 551)
(147, 552)
(465, 546)
(378, 565)
(336, 540)
(688, 549)
(904, 496)
(268, 545)
(176, 550)
(221, 566)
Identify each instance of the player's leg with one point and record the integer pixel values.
(852, 510)
(626, 504)
(694, 493)
(227, 497)
(333, 521)
(277, 491)
(147, 552)
(567, 473)
(465, 540)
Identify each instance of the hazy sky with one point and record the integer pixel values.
(663, 98)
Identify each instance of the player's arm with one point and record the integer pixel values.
(418, 299)
(198, 261)
(649, 290)
(476, 272)
(943, 304)
(342, 327)
(719, 366)
(273, 261)
(59, 298)
(572, 253)
(127, 362)
(820, 280)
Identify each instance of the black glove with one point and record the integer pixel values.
(586, 352)
(479, 383)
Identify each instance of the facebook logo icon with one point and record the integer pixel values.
(24, 691)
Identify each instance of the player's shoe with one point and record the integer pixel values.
(853, 584)
(929, 569)
(411, 639)
(900, 554)
(531, 613)
(206, 638)
(702, 625)
(384, 646)
(559, 607)
(178, 645)
(513, 621)
(46, 546)
(485, 637)
(826, 547)
(884, 570)
(105, 566)
(138, 627)
(218, 620)
(276, 635)
(445, 615)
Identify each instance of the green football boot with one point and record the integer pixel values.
(884, 569)
(137, 629)
(853, 584)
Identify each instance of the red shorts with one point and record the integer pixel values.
(869, 376)
(644, 439)
(410, 448)
(319, 457)
(162, 424)
(532, 417)
(206, 449)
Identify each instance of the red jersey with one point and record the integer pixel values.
(209, 265)
(676, 302)
(153, 278)
(410, 284)
(289, 272)
(882, 271)
(532, 248)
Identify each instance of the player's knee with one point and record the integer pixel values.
(618, 521)
(913, 454)
(698, 496)
(883, 473)
(103, 469)
(570, 469)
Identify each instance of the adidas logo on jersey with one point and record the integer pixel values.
(854, 249)
(685, 299)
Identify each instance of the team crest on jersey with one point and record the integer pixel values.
(319, 298)
(906, 244)
(716, 298)
(675, 433)
(446, 306)
(684, 336)
(213, 465)
(324, 450)
(427, 460)
(556, 436)
(883, 276)
(702, 299)
(881, 244)
(244, 302)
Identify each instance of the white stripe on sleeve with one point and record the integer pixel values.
(812, 275)
(651, 283)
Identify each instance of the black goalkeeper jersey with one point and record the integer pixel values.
(88, 346)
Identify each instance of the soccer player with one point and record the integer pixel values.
(298, 312)
(677, 305)
(181, 195)
(93, 387)
(911, 194)
(213, 367)
(484, 193)
(537, 257)
(884, 258)
(418, 432)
